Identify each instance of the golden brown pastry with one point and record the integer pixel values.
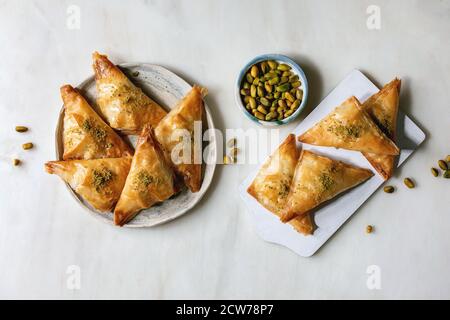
(318, 179)
(86, 135)
(383, 109)
(124, 106)
(271, 185)
(349, 127)
(98, 181)
(176, 130)
(151, 180)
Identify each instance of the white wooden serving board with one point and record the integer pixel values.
(332, 215)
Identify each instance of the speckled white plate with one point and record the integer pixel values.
(166, 88)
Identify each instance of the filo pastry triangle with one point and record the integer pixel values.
(271, 185)
(318, 179)
(124, 106)
(98, 181)
(176, 134)
(383, 109)
(348, 126)
(85, 134)
(150, 180)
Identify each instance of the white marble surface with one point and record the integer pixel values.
(213, 252)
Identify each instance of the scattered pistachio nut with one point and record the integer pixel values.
(260, 92)
(21, 129)
(135, 74)
(447, 158)
(254, 71)
(272, 64)
(16, 162)
(226, 160)
(261, 109)
(389, 189)
(274, 81)
(283, 79)
(409, 183)
(252, 102)
(296, 84)
(369, 229)
(253, 91)
(259, 115)
(446, 174)
(249, 78)
(283, 87)
(265, 102)
(434, 172)
(295, 104)
(27, 146)
(443, 165)
(288, 113)
(264, 66)
(289, 97)
(283, 67)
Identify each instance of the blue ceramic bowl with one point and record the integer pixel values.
(280, 59)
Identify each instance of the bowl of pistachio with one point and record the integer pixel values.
(271, 90)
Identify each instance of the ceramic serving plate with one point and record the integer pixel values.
(166, 88)
(330, 217)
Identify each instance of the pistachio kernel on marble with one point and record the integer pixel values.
(443, 165)
(21, 129)
(409, 183)
(434, 172)
(27, 146)
(226, 160)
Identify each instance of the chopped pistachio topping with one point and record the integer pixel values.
(131, 96)
(87, 125)
(98, 133)
(284, 189)
(143, 179)
(345, 131)
(326, 181)
(101, 178)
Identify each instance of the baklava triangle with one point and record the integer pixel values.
(178, 138)
(348, 126)
(318, 179)
(383, 109)
(272, 183)
(85, 134)
(124, 106)
(150, 181)
(98, 181)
